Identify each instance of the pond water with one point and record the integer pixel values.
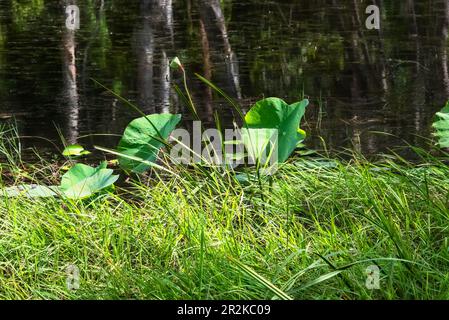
(370, 90)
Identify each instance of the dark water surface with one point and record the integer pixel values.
(360, 82)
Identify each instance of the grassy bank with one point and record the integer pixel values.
(310, 233)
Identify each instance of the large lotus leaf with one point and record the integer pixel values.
(261, 145)
(441, 126)
(30, 191)
(82, 181)
(142, 139)
(274, 113)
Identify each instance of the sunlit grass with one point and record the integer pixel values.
(200, 234)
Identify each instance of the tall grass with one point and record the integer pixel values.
(310, 233)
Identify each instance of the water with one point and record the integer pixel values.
(369, 90)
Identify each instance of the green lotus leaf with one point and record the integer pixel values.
(441, 126)
(143, 138)
(272, 123)
(82, 181)
(74, 150)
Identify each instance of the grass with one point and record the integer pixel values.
(200, 234)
